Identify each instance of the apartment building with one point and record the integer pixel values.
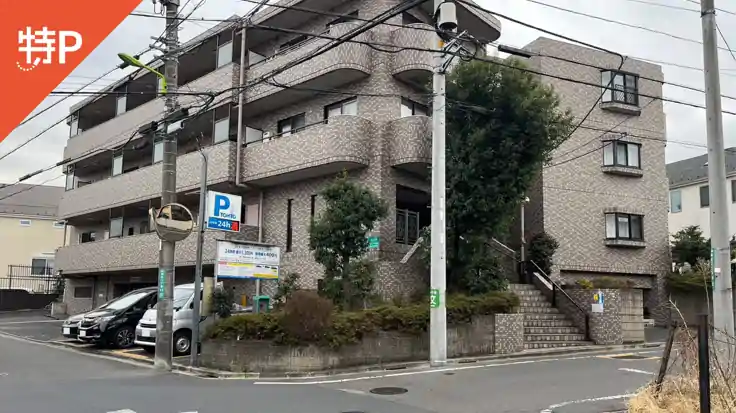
(355, 108)
(603, 196)
(690, 194)
(30, 233)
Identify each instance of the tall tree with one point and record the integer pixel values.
(689, 245)
(502, 126)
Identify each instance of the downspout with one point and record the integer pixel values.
(241, 101)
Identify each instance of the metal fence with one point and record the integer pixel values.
(38, 280)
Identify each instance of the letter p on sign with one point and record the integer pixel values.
(221, 204)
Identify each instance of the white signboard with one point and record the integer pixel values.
(247, 261)
(223, 211)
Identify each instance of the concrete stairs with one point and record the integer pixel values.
(545, 326)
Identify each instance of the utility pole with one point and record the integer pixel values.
(438, 269)
(164, 308)
(720, 242)
(196, 308)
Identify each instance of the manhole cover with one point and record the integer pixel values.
(629, 357)
(388, 391)
(449, 374)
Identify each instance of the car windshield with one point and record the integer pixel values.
(126, 301)
(181, 296)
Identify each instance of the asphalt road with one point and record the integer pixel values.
(41, 378)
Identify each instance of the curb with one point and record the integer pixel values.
(527, 354)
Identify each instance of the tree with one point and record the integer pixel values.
(688, 245)
(338, 239)
(541, 249)
(502, 126)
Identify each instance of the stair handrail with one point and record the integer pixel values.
(556, 287)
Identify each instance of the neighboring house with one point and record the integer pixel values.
(30, 233)
(352, 108)
(604, 195)
(690, 195)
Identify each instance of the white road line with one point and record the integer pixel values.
(551, 408)
(636, 371)
(353, 391)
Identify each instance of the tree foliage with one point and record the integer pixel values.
(338, 239)
(689, 245)
(541, 249)
(502, 125)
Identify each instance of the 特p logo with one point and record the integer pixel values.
(40, 46)
(222, 208)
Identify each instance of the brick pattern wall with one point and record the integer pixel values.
(509, 333)
(605, 327)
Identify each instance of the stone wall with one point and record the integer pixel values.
(502, 333)
(605, 327)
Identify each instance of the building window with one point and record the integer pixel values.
(42, 266)
(411, 108)
(158, 151)
(121, 105)
(623, 88)
(117, 163)
(224, 54)
(82, 292)
(59, 224)
(624, 226)
(289, 229)
(90, 236)
(116, 223)
(291, 125)
(222, 130)
(74, 126)
(704, 196)
(407, 226)
(618, 153)
(345, 107)
(69, 179)
(344, 19)
(733, 190)
(312, 205)
(25, 222)
(675, 201)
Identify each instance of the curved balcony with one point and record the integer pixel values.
(410, 143)
(145, 183)
(413, 66)
(140, 252)
(118, 129)
(337, 67)
(318, 150)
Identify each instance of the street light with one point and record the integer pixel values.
(129, 60)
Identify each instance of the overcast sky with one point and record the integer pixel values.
(684, 124)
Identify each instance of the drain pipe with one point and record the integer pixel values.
(241, 101)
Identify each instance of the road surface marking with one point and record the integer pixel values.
(636, 371)
(7, 323)
(551, 408)
(128, 354)
(123, 411)
(353, 391)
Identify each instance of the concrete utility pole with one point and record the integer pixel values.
(438, 268)
(164, 309)
(196, 308)
(720, 245)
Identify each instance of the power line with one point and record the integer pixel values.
(667, 6)
(721, 10)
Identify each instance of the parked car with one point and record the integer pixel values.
(114, 323)
(70, 328)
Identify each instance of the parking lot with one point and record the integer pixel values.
(38, 326)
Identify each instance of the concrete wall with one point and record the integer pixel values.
(22, 243)
(605, 327)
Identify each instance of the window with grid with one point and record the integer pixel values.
(345, 107)
(291, 125)
(624, 226)
(704, 196)
(407, 226)
(42, 266)
(618, 153)
(620, 87)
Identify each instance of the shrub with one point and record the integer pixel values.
(306, 316)
(541, 249)
(344, 328)
(222, 302)
(287, 286)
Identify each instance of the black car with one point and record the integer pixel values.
(114, 323)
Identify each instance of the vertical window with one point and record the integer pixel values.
(345, 107)
(676, 201)
(41, 266)
(312, 205)
(407, 226)
(291, 125)
(116, 222)
(224, 48)
(74, 126)
(251, 215)
(221, 128)
(733, 190)
(69, 178)
(617, 153)
(411, 108)
(620, 87)
(158, 151)
(704, 196)
(624, 226)
(121, 105)
(117, 163)
(289, 229)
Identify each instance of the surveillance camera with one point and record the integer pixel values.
(447, 19)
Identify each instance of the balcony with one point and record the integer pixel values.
(119, 128)
(344, 64)
(410, 143)
(317, 150)
(145, 183)
(140, 252)
(413, 66)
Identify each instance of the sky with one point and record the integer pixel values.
(682, 48)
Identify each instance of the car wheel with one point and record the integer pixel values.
(124, 337)
(182, 343)
(149, 349)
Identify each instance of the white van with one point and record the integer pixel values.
(183, 303)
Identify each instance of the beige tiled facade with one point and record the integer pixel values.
(571, 198)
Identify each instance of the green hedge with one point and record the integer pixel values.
(350, 327)
(688, 282)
